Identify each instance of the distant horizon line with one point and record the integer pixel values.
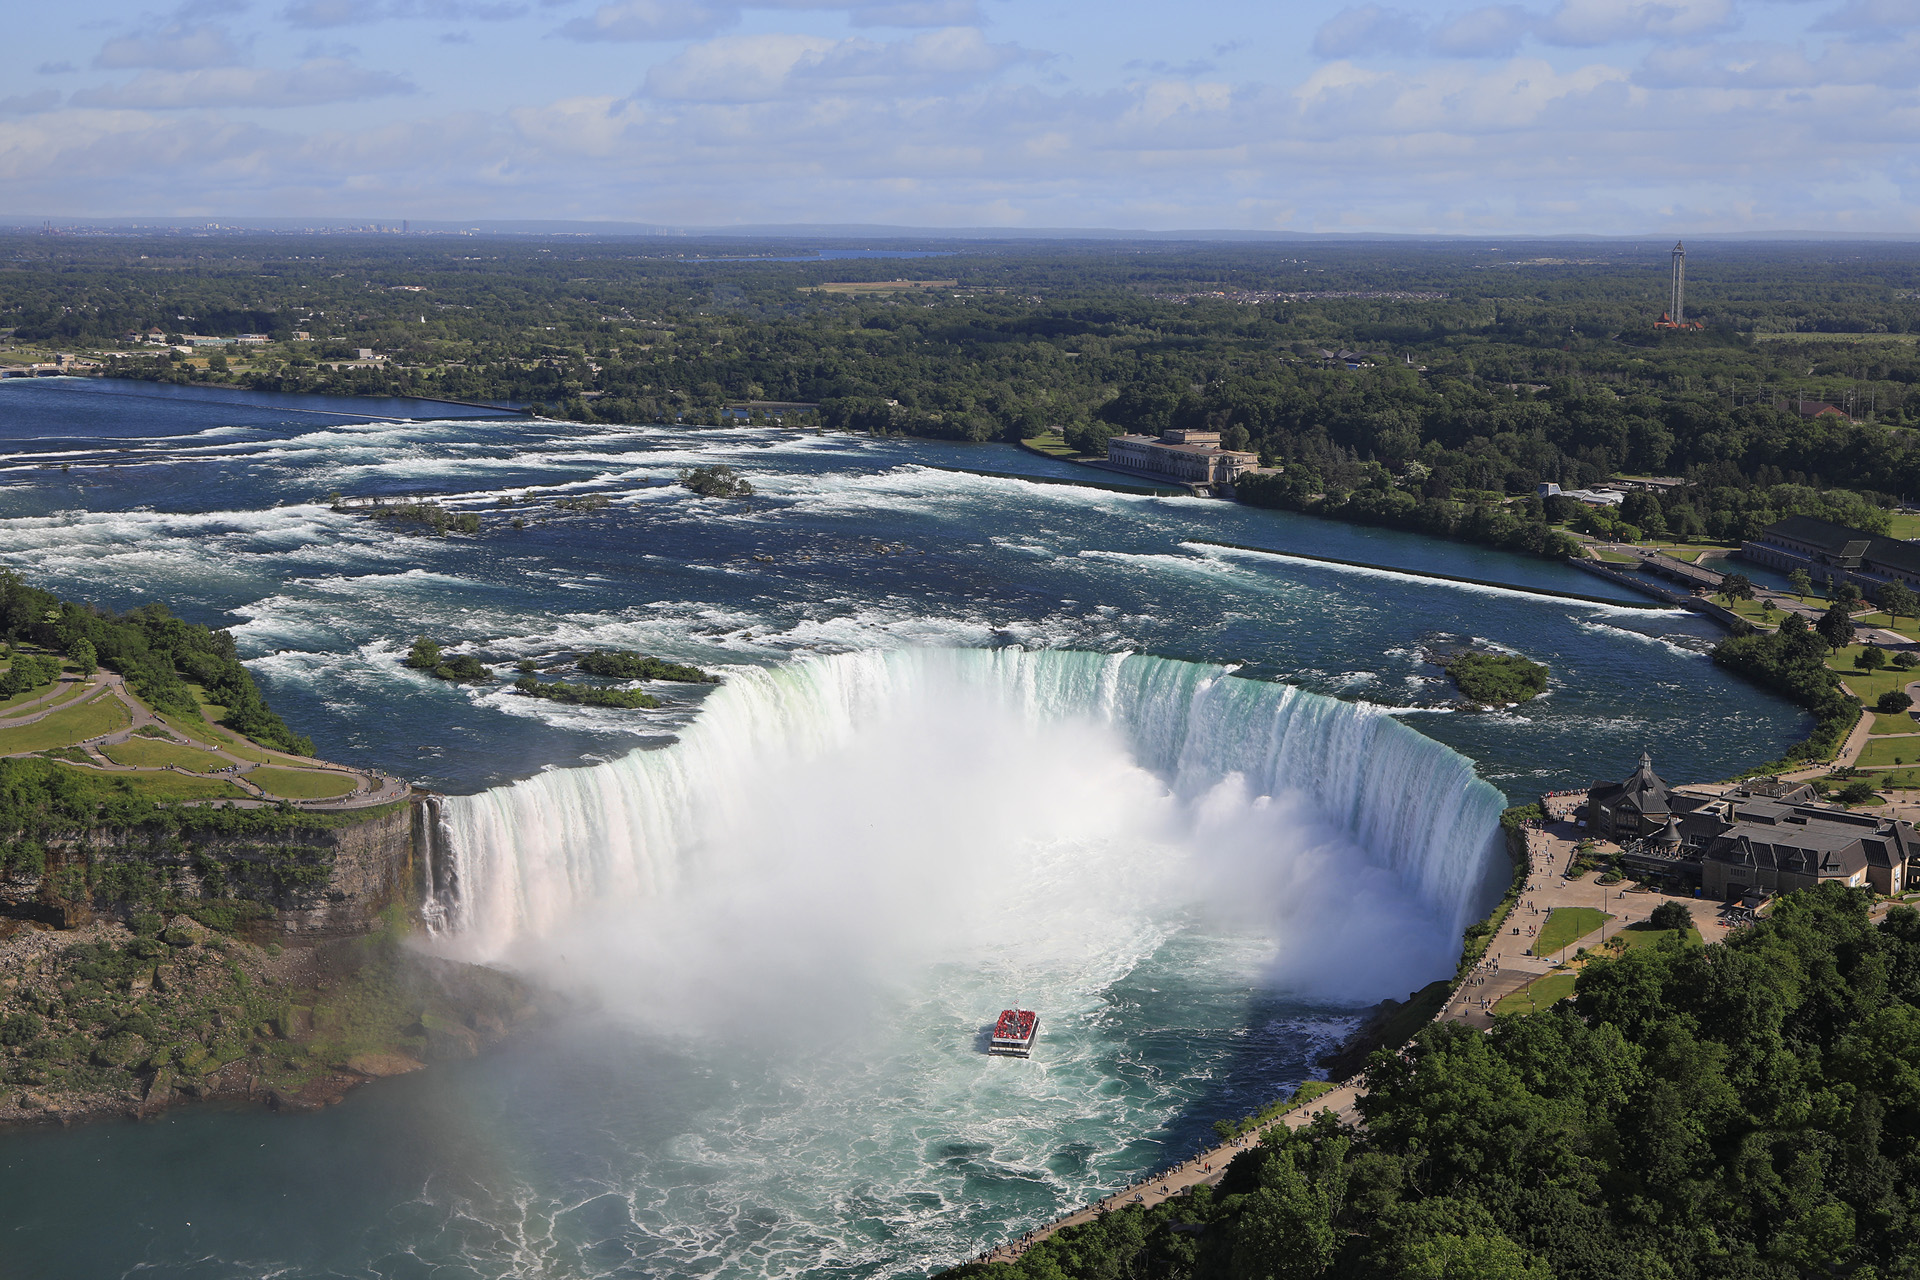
(868, 231)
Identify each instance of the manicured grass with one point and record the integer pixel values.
(1901, 723)
(1882, 752)
(1901, 626)
(1566, 925)
(1053, 446)
(1616, 557)
(302, 784)
(1897, 779)
(1644, 934)
(1536, 995)
(1751, 610)
(1904, 525)
(1867, 685)
(55, 693)
(63, 728)
(208, 707)
(209, 735)
(153, 753)
(170, 788)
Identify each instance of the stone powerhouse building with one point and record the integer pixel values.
(1189, 457)
(1834, 551)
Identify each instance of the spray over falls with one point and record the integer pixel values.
(895, 766)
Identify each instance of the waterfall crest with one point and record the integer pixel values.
(527, 856)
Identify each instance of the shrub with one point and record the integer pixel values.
(1672, 915)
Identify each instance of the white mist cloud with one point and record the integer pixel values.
(176, 47)
(760, 68)
(652, 20)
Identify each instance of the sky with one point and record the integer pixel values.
(1611, 117)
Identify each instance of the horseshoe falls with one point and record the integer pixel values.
(786, 767)
(846, 865)
(941, 777)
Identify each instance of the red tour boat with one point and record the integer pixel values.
(1013, 1034)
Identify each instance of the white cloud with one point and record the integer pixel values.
(1598, 22)
(21, 104)
(340, 13)
(315, 81)
(918, 13)
(1764, 66)
(760, 68)
(1491, 31)
(1370, 29)
(171, 48)
(1871, 15)
(649, 20)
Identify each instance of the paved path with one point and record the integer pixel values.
(370, 788)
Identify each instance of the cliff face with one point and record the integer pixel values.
(298, 884)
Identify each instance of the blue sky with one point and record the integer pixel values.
(1604, 116)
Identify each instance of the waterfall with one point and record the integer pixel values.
(522, 860)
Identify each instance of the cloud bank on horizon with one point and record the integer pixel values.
(1605, 116)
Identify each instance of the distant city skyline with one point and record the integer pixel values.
(1609, 117)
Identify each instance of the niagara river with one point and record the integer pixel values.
(978, 741)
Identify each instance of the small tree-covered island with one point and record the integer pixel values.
(618, 664)
(1496, 679)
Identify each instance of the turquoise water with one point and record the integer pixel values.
(1194, 928)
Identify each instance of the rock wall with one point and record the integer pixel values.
(318, 882)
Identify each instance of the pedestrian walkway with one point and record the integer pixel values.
(370, 788)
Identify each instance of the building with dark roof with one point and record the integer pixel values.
(1834, 551)
(1630, 810)
(1762, 837)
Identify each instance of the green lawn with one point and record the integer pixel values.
(1644, 934)
(151, 753)
(71, 724)
(1536, 995)
(1867, 685)
(1905, 526)
(1901, 723)
(1054, 447)
(1618, 557)
(1902, 625)
(61, 696)
(1897, 779)
(170, 788)
(1566, 925)
(225, 739)
(302, 784)
(1751, 610)
(1879, 753)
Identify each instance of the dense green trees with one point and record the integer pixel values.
(1468, 384)
(1792, 661)
(625, 664)
(1496, 679)
(1748, 1109)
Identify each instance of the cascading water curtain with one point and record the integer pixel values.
(525, 856)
